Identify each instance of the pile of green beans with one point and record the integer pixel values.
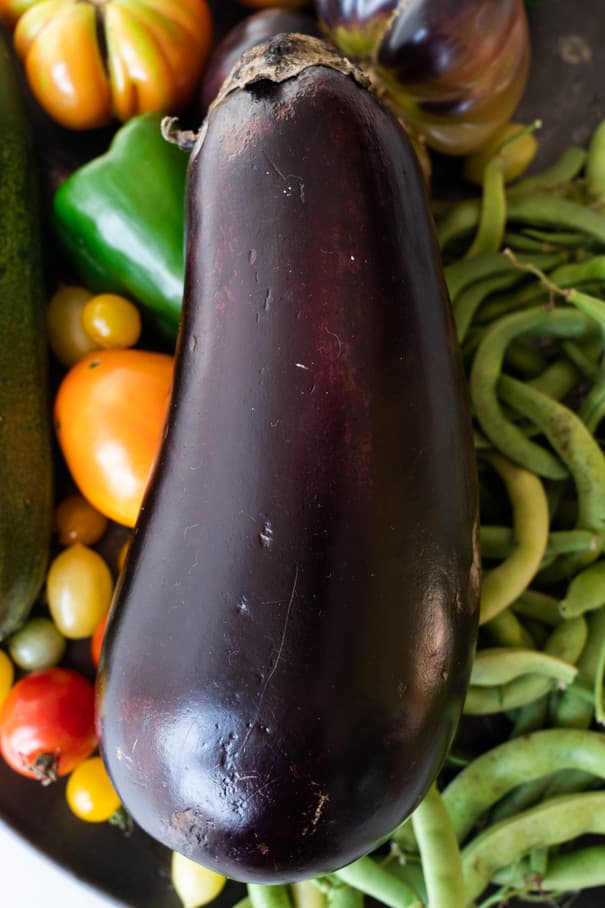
(525, 269)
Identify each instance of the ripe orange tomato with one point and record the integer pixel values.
(89, 62)
(109, 417)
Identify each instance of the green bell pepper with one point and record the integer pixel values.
(120, 219)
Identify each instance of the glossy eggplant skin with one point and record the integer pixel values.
(292, 637)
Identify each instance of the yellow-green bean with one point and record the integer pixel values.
(585, 592)
(438, 846)
(573, 442)
(486, 371)
(496, 772)
(502, 585)
(551, 823)
(500, 665)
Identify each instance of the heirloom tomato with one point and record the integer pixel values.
(109, 417)
(88, 61)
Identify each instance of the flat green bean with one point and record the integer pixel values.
(307, 894)
(376, 881)
(499, 541)
(520, 798)
(484, 701)
(343, 896)
(583, 868)
(496, 772)
(565, 642)
(562, 279)
(486, 370)
(540, 606)
(585, 592)
(595, 164)
(530, 718)
(460, 220)
(551, 823)
(438, 846)
(499, 665)
(464, 272)
(492, 216)
(557, 380)
(469, 300)
(550, 211)
(569, 710)
(573, 442)
(581, 360)
(265, 896)
(502, 585)
(563, 170)
(505, 629)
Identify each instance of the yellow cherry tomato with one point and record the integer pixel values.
(66, 336)
(76, 520)
(109, 418)
(516, 153)
(89, 62)
(111, 320)
(7, 675)
(195, 885)
(89, 792)
(79, 587)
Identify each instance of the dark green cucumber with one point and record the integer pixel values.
(25, 428)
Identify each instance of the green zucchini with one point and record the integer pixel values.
(26, 467)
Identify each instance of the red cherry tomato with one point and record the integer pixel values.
(47, 724)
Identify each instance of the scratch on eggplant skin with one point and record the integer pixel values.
(275, 661)
(338, 341)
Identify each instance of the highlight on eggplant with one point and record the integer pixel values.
(292, 636)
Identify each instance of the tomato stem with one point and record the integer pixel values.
(122, 820)
(45, 767)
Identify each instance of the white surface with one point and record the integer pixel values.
(29, 880)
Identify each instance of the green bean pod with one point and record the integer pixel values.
(378, 882)
(585, 592)
(576, 447)
(551, 823)
(500, 665)
(438, 846)
(496, 772)
(569, 710)
(595, 164)
(502, 585)
(486, 371)
(563, 170)
(583, 868)
(492, 217)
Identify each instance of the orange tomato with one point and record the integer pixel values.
(109, 417)
(89, 62)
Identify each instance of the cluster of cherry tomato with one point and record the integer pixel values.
(47, 720)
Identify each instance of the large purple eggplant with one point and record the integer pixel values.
(292, 636)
